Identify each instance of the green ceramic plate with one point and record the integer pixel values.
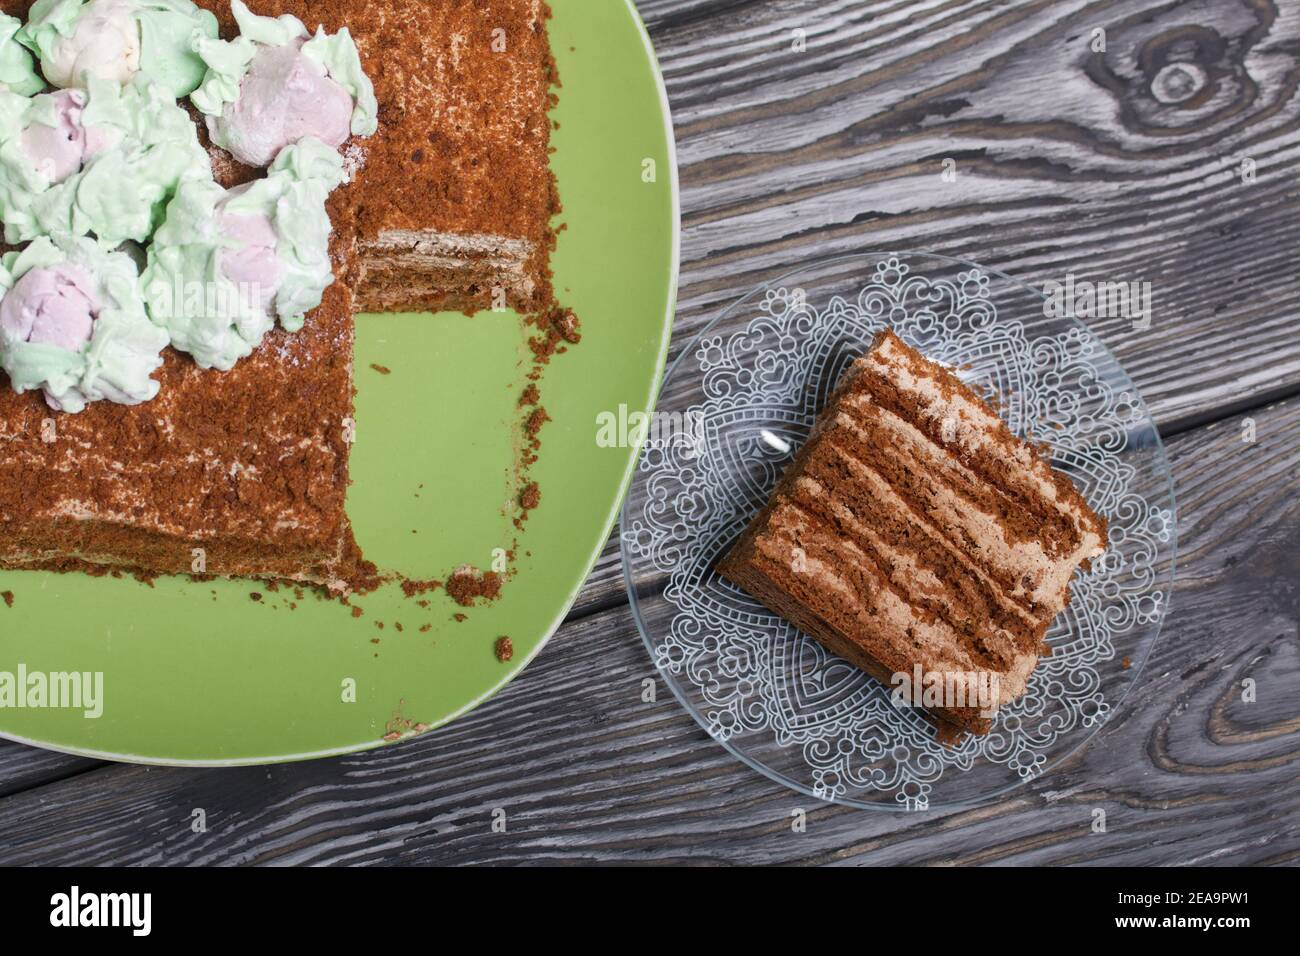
(190, 676)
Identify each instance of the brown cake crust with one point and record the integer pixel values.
(914, 530)
(251, 466)
(462, 150)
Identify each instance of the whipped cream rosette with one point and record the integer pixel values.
(226, 264)
(118, 40)
(103, 161)
(277, 84)
(73, 323)
(17, 71)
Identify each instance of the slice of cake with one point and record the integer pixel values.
(245, 472)
(915, 536)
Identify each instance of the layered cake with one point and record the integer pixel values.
(232, 459)
(915, 536)
(454, 196)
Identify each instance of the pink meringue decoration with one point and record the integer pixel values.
(62, 150)
(253, 263)
(52, 306)
(284, 98)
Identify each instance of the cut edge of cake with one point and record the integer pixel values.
(410, 271)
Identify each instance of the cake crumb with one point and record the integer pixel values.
(565, 322)
(381, 369)
(536, 420)
(469, 584)
(1126, 663)
(426, 628)
(8, 597)
(505, 649)
(412, 587)
(255, 596)
(460, 618)
(558, 326)
(356, 611)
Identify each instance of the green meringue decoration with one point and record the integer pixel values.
(17, 71)
(185, 286)
(122, 191)
(124, 350)
(228, 63)
(338, 54)
(117, 39)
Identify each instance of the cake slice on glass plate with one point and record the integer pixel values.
(916, 537)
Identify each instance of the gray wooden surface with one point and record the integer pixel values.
(1069, 161)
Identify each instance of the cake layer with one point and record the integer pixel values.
(405, 271)
(915, 533)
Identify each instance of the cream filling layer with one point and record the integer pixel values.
(885, 615)
(972, 428)
(954, 512)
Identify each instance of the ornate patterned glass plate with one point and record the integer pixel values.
(735, 408)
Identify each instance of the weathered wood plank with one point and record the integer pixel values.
(586, 771)
(1066, 161)
(22, 768)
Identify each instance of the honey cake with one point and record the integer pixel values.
(914, 534)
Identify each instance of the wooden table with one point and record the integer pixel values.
(1122, 165)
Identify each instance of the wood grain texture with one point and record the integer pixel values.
(586, 771)
(1122, 165)
(1066, 162)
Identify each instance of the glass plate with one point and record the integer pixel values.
(735, 408)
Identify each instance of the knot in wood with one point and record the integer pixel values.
(1177, 83)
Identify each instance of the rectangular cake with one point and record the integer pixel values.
(245, 473)
(915, 536)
